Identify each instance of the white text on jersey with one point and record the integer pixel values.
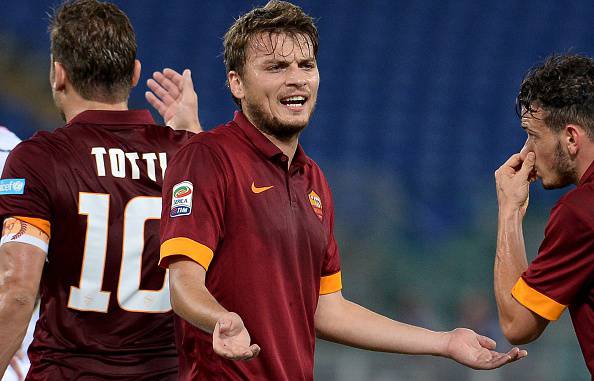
(117, 162)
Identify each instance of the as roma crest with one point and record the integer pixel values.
(316, 204)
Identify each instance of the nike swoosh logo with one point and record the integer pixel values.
(257, 190)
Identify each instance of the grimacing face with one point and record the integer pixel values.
(279, 83)
(553, 164)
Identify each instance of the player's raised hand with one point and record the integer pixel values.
(513, 181)
(477, 352)
(231, 339)
(173, 96)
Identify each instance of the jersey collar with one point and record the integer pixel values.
(265, 146)
(113, 117)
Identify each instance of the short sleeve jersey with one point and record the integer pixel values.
(264, 232)
(94, 186)
(562, 274)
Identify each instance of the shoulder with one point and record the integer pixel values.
(166, 132)
(317, 173)
(216, 141)
(574, 212)
(577, 201)
(38, 144)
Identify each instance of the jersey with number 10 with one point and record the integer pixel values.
(95, 186)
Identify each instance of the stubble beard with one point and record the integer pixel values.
(270, 125)
(565, 172)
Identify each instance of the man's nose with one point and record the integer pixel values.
(296, 77)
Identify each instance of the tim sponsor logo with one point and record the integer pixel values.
(181, 200)
(12, 186)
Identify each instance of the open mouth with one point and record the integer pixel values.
(294, 102)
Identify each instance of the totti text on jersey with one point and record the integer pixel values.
(113, 160)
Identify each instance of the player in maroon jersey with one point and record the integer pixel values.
(82, 207)
(247, 228)
(556, 105)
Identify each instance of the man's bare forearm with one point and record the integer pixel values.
(510, 262)
(351, 324)
(21, 266)
(15, 314)
(191, 299)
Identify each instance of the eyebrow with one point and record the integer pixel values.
(307, 60)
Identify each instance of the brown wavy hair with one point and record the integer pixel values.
(96, 44)
(563, 86)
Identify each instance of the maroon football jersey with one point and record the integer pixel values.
(105, 311)
(264, 232)
(562, 275)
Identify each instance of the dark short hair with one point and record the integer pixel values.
(563, 86)
(275, 17)
(96, 44)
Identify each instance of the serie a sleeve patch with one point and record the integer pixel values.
(181, 199)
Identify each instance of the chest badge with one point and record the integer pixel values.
(316, 204)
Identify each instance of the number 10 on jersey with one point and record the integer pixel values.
(89, 296)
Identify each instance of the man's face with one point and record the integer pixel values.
(280, 83)
(553, 163)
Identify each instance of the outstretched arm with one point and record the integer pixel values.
(173, 96)
(192, 301)
(518, 323)
(342, 321)
(21, 266)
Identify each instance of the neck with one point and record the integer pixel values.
(75, 106)
(287, 146)
(583, 163)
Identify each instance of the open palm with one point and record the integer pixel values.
(477, 352)
(231, 339)
(174, 98)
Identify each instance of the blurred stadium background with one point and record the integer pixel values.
(415, 112)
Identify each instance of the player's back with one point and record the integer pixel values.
(105, 311)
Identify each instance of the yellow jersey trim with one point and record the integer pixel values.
(330, 283)
(536, 301)
(184, 246)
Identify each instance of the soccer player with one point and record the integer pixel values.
(247, 228)
(81, 208)
(556, 105)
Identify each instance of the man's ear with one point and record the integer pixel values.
(136, 73)
(573, 137)
(236, 84)
(59, 77)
